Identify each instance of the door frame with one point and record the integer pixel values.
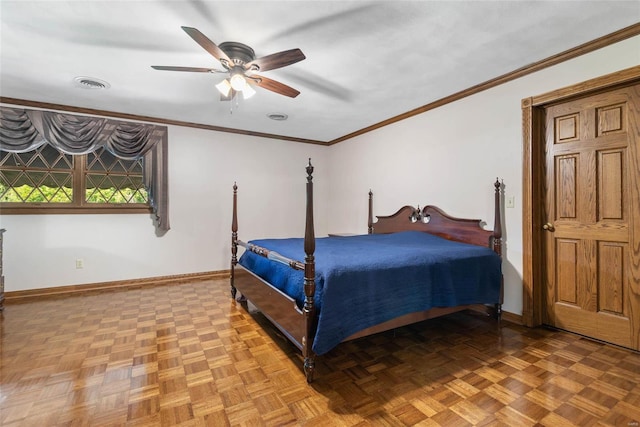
(533, 182)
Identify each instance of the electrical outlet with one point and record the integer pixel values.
(511, 202)
(79, 263)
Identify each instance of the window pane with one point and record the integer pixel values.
(45, 194)
(112, 180)
(136, 167)
(103, 161)
(9, 159)
(9, 195)
(56, 159)
(47, 178)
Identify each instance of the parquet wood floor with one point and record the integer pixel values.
(187, 355)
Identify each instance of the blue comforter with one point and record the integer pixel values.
(365, 280)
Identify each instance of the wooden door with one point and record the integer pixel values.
(592, 208)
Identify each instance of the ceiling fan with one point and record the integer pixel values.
(239, 61)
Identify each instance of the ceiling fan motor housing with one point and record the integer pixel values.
(239, 53)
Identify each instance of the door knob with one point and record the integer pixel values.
(548, 226)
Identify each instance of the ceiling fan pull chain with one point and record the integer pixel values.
(237, 102)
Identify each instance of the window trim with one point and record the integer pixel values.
(39, 209)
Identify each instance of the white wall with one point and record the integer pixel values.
(41, 250)
(450, 157)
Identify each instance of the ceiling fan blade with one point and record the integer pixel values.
(209, 46)
(273, 86)
(192, 69)
(276, 60)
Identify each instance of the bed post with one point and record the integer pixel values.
(234, 239)
(309, 280)
(370, 228)
(497, 226)
(497, 241)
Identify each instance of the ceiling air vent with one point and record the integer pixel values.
(277, 116)
(91, 83)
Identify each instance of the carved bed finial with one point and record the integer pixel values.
(309, 171)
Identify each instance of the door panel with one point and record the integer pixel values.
(567, 276)
(611, 185)
(592, 206)
(612, 277)
(566, 193)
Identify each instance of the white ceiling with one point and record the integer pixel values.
(367, 61)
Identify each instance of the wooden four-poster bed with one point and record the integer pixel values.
(413, 265)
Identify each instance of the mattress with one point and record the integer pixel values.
(365, 280)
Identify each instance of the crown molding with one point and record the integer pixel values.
(588, 47)
(147, 119)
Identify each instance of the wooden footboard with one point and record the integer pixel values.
(278, 307)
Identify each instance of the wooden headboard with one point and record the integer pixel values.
(434, 220)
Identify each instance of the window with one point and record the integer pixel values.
(45, 178)
(60, 163)
(110, 180)
(42, 176)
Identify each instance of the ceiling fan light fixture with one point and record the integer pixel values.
(238, 82)
(248, 92)
(224, 87)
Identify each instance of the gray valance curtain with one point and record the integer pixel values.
(23, 130)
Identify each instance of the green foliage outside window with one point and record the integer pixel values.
(44, 194)
(115, 195)
(40, 194)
